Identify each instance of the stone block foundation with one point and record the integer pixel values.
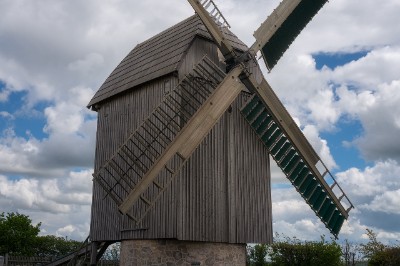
(175, 252)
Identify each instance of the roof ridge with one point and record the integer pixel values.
(166, 30)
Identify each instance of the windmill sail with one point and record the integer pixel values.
(294, 155)
(282, 27)
(150, 158)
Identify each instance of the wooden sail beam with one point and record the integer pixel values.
(215, 31)
(268, 28)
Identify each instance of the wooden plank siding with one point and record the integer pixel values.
(116, 121)
(223, 193)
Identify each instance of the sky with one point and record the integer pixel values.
(340, 80)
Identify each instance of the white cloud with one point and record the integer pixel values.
(367, 73)
(277, 176)
(352, 103)
(375, 193)
(304, 229)
(293, 217)
(66, 230)
(53, 202)
(6, 115)
(87, 64)
(349, 26)
(381, 177)
(48, 157)
(71, 141)
(388, 202)
(381, 124)
(4, 93)
(320, 146)
(49, 195)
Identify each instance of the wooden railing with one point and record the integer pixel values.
(24, 260)
(36, 261)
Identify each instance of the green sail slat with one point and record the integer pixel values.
(287, 158)
(293, 162)
(264, 125)
(338, 224)
(334, 219)
(273, 138)
(267, 134)
(327, 215)
(255, 112)
(278, 145)
(321, 198)
(294, 174)
(335, 216)
(308, 192)
(307, 182)
(324, 208)
(315, 195)
(282, 151)
(250, 105)
(257, 122)
(301, 176)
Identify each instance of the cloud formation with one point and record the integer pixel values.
(59, 52)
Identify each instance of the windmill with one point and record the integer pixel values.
(136, 177)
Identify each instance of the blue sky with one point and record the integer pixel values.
(24, 122)
(333, 60)
(339, 80)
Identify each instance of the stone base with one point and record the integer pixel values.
(174, 252)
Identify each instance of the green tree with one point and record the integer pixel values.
(17, 234)
(390, 256)
(373, 246)
(53, 246)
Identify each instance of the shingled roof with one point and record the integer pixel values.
(156, 57)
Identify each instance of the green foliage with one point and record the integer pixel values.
(295, 252)
(378, 253)
(389, 257)
(19, 237)
(53, 246)
(257, 254)
(292, 251)
(17, 234)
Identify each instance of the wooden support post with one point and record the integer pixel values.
(93, 253)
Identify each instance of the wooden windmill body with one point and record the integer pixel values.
(186, 124)
(214, 197)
